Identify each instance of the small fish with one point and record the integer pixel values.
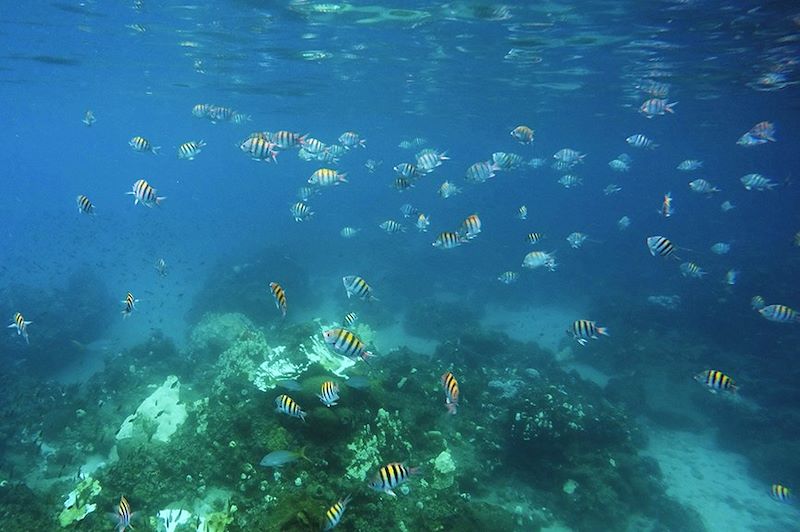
(280, 297)
(659, 245)
(89, 118)
(401, 184)
(278, 459)
(325, 177)
(577, 239)
(143, 193)
(623, 223)
(349, 232)
(757, 302)
(481, 172)
(522, 212)
(142, 145)
(451, 392)
(703, 187)
(690, 269)
(21, 325)
(201, 110)
(161, 267)
(260, 148)
(508, 277)
(349, 319)
(657, 106)
(351, 139)
(523, 134)
(667, 209)
(391, 227)
(690, 165)
(189, 150)
(716, 381)
(422, 223)
(357, 286)
(371, 165)
(346, 343)
(408, 170)
(123, 515)
(306, 193)
(537, 259)
(570, 181)
(286, 139)
(506, 161)
(358, 382)
(301, 212)
(781, 493)
(448, 189)
(640, 141)
(727, 206)
(569, 156)
(286, 405)
(408, 210)
(334, 514)
(757, 182)
(130, 305)
(470, 227)
(314, 146)
(85, 205)
(329, 393)
(730, 277)
(430, 159)
(780, 314)
(611, 189)
(748, 140)
(585, 330)
(721, 248)
(763, 130)
(217, 113)
(619, 166)
(290, 384)
(390, 476)
(449, 240)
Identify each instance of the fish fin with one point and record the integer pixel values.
(582, 341)
(603, 331)
(155, 149)
(390, 492)
(12, 325)
(159, 199)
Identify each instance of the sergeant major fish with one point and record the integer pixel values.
(640, 141)
(189, 150)
(141, 145)
(21, 325)
(346, 343)
(301, 212)
(357, 286)
(286, 405)
(390, 476)
(84, 205)
(584, 330)
(422, 223)
(716, 381)
(334, 514)
(451, 392)
(508, 277)
(280, 297)
(143, 193)
(780, 314)
(130, 305)
(449, 240)
(657, 106)
(329, 393)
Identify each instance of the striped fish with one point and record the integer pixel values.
(142, 145)
(260, 148)
(448, 189)
(471, 227)
(349, 232)
(334, 514)
(349, 319)
(123, 515)
(325, 177)
(217, 113)
(429, 159)
(584, 330)
(240, 118)
(161, 267)
(659, 245)
(757, 182)
(422, 223)
(329, 393)
(451, 392)
(690, 269)
(522, 213)
(657, 106)
(280, 297)
(508, 277)
(390, 476)
(780, 493)
(408, 210)
(357, 286)
(390, 226)
(640, 141)
(346, 343)
(286, 405)
(201, 110)
(481, 172)
(301, 212)
(780, 314)
(534, 238)
(715, 380)
(449, 240)
(143, 193)
(130, 305)
(84, 205)
(401, 184)
(314, 146)
(523, 134)
(757, 302)
(286, 139)
(351, 139)
(408, 170)
(21, 325)
(188, 150)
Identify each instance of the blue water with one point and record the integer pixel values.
(450, 77)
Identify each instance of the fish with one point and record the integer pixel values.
(611, 189)
(286, 139)
(657, 107)
(703, 187)
(408, 210)
(640, 141)
(448, 189)
(329, 393)
(523, 134)
(422, 223)
(301, 212)
(721, 248)
(346, 343)
(449, 240)
(569, 156)
(618, 166)
(314, 146)
(358, 382)
(334, 514)
(780, 314)
(577, 239)
(716, 381)
(130, 305)
(763, 131)
(240, 118)
(391, 227)
(141, 145)
(690, 165)
(481, 172)
(584, 330)
(416, 142)
(280, 297)
(89, 118)
(349, 319)
(260, 149)
(757, 182)
(371, 165)
(143, 193)
(623, 223)
(351, 139)
(21, 325)
(747, 140)
(537, 259)
(508, 277)
(506, 161)
(660, 245)
(286, 405)
(401, 184)
(123, 515)
(290, 384)
(201, 110)
(430, 159)
(306, 193)
(189, 150)
(690, 269)
(731, 277)
(757, 302)
(408, 170)
(470, 227)
(325, 177)
(797, 239)
(357, 286)
(522, 212)
(570, 181)
(161, 267)
(781, 493)
(451, 392)
(390, 476)
(85, 205)
(349, 232)
(727, 206)
(278, 459)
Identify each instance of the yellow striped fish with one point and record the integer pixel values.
(471, 227)
(142, 145)
(286, 405)
(715, 380)
(325, 177)
(260, 148)
(449, 240)
(659, 245)
(357, 286)
(280, 297)
(334, 515)
(780, 314)
(349, 319)
(145, 194)
(21, 326)
(390, 476)
(534, 238)
(124, 515)
(451, 392)
(329, 393)
(781, 493)
(189, 150)
(84, 205)
(584, 330)
(130, 305)
(346, 343)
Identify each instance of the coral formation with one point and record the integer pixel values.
(79, 502)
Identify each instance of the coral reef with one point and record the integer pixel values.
(79, 502)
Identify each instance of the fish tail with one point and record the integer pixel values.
(159, 199)
(603, 331)
(155, 149)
